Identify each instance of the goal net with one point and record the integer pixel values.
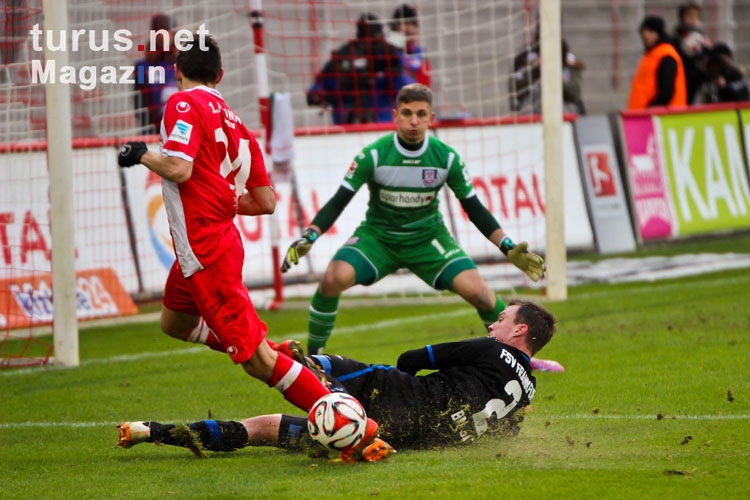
(487, 107)
(122, 244)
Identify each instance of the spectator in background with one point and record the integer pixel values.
(524, 88)
(523, 84)
(659, 79)
(152, 97)
(362, 78)
(405, 35)
(692, 46)
(572, 73)
(14, 29)
(725, 81)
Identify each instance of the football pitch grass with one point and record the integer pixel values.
(654, 403)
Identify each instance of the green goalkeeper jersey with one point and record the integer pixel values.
(404, 184)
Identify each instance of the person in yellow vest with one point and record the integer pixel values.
(659, 79)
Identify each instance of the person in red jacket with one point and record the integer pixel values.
(405, 34)
(659, 79)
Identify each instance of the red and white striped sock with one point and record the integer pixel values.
(298, 384)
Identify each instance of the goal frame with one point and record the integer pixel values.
(552, 119)
(62, 222)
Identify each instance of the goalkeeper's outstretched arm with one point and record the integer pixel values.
(322, 221)
(327, 215)
(528, 262)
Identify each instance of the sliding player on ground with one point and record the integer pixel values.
(481, 387)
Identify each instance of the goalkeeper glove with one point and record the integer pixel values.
(299, 249)
(519, 255)
(131, 153)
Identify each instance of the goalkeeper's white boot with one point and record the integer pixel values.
(132, 433)
(546, 365)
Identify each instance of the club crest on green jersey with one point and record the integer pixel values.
(429, 176)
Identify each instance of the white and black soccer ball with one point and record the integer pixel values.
(337, 421)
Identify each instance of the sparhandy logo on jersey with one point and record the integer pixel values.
(406, 198)
(87, 77)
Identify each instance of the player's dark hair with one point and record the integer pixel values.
(200, 65)
(655, 24)
(414, 92)
(161, 21)
(369, 27)
(404, 14)
(683, 10)
(540, 321)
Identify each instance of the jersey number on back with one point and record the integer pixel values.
(497, 407)
(240, 164)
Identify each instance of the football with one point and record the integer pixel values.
(337, 421)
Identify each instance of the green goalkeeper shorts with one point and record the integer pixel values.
(436, 260)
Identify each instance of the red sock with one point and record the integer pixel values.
(202, 334)
(298, 384)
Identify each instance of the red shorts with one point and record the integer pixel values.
(217, 294)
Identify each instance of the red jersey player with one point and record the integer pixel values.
(213, 169)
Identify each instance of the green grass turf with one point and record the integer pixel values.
(654, 403)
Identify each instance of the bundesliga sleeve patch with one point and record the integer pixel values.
(350, 173)
(181, 132)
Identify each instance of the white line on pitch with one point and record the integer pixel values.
(19, 425)
(641, 417)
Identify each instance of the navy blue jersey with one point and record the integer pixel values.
(478, 387)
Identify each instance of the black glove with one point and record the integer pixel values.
(299, 249)
(131, 153)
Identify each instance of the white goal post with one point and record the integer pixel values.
(62, 224)
(552, 119)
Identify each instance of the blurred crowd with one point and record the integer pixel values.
(684, 68)
(359, 81)
(524, 83)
